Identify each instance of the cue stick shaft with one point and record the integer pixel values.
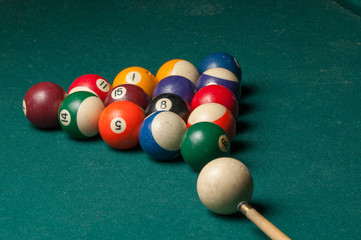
(261, 222)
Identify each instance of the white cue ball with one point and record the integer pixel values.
(223, 183)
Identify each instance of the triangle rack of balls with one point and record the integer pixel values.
(182, 111)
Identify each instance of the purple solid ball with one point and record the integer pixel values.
(177, 85)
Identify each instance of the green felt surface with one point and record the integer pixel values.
(353, 5)
(298, 132)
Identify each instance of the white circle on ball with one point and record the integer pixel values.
(163, 104)
(222, 73)
(118, 125)
(223, 143)
(24, 107)
(168, 129)
(187, 70)
(103, 85)
(88, 116)
(64, 117)
(133, 77)
(119, 93)
(207, 112)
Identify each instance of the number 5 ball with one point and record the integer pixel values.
(224, 183)
(119, 124)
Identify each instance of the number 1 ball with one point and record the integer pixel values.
(224, 183)
(119, 124)
(137, 76)
(41, 104)
(203, 142)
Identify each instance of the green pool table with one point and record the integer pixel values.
(299, 128)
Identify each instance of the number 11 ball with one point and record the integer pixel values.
(91, 83)
(119, 124)
(224, 183)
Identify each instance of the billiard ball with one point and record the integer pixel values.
(221, 60)
(216, 94)
(91, 83)
(160, 135)
(79, 114)
(41, 104)
(137, 76)
(203, 142)
(219, 76)
(178, 67)
(119, 124)
(224, 183)
(128, 92)
(169, 102)
(216, 113)
(178, 85)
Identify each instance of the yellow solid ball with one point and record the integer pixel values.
(137, 76)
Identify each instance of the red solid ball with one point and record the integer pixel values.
(119, 124)
(41, 104)
(91, 83)
(216, 94)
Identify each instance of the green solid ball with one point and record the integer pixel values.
(203, 142)
(79, 114)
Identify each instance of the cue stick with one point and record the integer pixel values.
(261, 222)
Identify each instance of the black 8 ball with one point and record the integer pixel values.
(169, 102)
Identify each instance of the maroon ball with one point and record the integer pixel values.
(41, 104)
(128, 92)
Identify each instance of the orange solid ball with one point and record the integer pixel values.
(137, 76)
(119, 124)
